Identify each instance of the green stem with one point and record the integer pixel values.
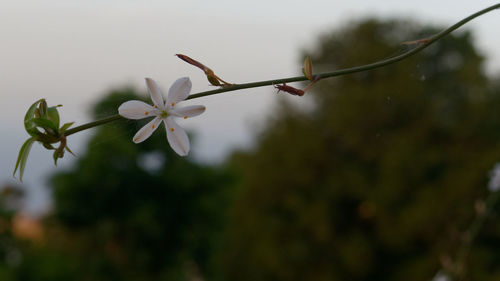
(319, 76)
(351, 69)
(92, 124)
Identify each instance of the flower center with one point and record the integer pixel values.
(163, 114)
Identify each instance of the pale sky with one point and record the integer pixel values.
(73, 52)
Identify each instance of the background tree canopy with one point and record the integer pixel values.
(377, 181)
(139, 208)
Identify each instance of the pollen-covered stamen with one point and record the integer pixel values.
(146, 113)
(172, 104)
(153, 126)
(172, 129)
(185, 117)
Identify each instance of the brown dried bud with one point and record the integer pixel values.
(212, 78)
(194, 62)
(289, 89)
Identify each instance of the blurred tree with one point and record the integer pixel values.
(136, 212)
(378, 181)
(10, 199)
(24, 253)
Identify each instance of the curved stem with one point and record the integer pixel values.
(92, 124)
(344, 71)
(351, 69)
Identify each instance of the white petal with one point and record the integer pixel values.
(188, 111)
(135, 109)
(179, 91)
(177, 137)
(146, 131)
(154, 91)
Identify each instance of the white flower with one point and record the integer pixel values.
(163, 111)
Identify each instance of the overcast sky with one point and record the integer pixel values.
(73, 52)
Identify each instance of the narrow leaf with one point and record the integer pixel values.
(55, 156)
(22, 157)
(65, 127)
(69, 150)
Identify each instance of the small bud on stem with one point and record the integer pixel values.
(289, 89)
(212, 78)
(307, 69)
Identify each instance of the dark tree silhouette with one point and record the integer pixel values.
(379, 180)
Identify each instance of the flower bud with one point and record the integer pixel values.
(212, 78)
(289, 89)
(213, 81)
(307, 69)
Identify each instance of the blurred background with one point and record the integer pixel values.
(372, 176)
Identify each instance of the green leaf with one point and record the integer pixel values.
(55, 156)
(45, 123)
(69, 150)
(65, 127)
(30, 114)
(22, 157)
(53, 115)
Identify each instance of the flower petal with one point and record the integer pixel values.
(154, 91)
(179, 91)
(135, 109)
(146, 131)
(188, 111)
(177, 137)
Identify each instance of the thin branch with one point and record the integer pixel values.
(351, 69)
(345, 71)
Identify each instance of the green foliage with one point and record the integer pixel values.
(379, 180)
(39, 116)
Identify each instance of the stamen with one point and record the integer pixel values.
(155, 106)
(172, 104)
(172, 129)
(153, 126)
(146, 113)
(185, 117)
